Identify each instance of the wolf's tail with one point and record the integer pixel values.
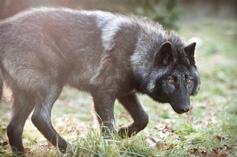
(1, 84)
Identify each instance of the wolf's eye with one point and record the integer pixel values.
(171, 80)
(188, 80)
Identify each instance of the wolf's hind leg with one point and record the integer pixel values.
(133, 106)
(41, 117)
(22, 106)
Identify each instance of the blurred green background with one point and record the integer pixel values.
(167, 12)
(208, 129)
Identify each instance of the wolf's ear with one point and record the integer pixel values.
(164, 54)
(190, 50)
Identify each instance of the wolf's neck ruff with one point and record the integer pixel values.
(149, 37)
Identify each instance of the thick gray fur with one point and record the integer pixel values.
(111, 56)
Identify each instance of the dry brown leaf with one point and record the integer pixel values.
(160, 144)
(155, 143)
(190, 109)
(151, 138)
(196, 152)
(182, 138)
(171, 146)
(150, 143)
(223, 155)
(227, 147)
(204, 152)
(28, 152)
(193, 151)
(219, 137)
(5, 143)
(50, 144)
(168, 129)
(215, 150)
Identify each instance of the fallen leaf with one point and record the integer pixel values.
(204, 153)
(160, 144)
(219, 137)
(155, 143)
(227, 147)
(150, 143)
(215, 150)
(160, 126)
(223, 155)
(193, 151)
(191, 108)
(167, 129)
(28, 152)
(171, 146)
(50, 144)
(182, 138)
(4, 143)
(151, 138)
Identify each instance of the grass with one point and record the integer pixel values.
(210, 128)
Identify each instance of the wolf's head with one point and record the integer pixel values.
(174, 76)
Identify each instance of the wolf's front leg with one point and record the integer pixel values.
(104, 107)
(133, 106)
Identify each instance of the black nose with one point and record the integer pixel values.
(185, 108)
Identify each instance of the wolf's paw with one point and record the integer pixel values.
(126, 132)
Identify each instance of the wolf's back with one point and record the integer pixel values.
(49, 38)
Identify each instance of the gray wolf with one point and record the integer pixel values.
(110, 56)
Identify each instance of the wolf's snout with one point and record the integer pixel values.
(185, 108)
(181, 109)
